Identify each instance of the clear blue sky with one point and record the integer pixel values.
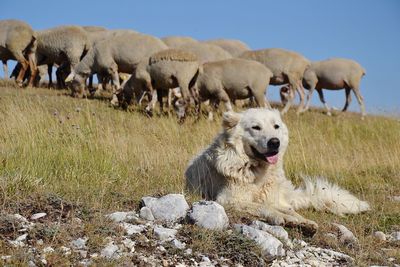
(367, 31)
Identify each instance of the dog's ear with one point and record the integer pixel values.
(230, 119)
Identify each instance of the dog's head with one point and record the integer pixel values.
(261, 131)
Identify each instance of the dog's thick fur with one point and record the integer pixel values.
(231, 172)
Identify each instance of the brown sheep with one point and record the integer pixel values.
(18, 42)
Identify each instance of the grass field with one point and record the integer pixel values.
(105, 159)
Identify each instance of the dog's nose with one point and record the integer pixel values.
(273, 143)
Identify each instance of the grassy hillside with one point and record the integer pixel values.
(102, 159)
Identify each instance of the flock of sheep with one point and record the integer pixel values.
(190, 70)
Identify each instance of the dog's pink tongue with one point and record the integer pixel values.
(272, 159)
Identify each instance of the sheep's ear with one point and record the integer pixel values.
(70, 77)
(230, 119)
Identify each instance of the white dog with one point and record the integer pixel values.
(243, 168)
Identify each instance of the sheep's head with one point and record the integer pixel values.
(77, 83)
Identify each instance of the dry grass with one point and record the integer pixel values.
(105, 159)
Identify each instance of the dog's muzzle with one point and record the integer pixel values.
(271, 156)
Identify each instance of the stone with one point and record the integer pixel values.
(168, 208)
(270, 245)
(31, 264)
(178, 244)
(79, 243)
(19, 218)
(131, 229)
(379, 235)
(129, 244)
(39, 215)
(345, 235)
(395, 236)
(121, 216)
(163, 234)
(110, 251)
(65, 250)
(21, 238)
(275, 230)
(86, 262)
(146, 214)
(47, 250)
(209, 215)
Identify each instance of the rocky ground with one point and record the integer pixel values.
(161, 233)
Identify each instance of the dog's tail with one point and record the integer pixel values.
(324, 195)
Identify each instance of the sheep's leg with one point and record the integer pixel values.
(322, 99)
(5, 69)
(309, 95)
(300, 90)
(33, 67)
(152, 103)
(116, 88)
(290, 99)
(348, 99)
(50, 74)
(360, 100)
(223, 96)
(261, 100)
(24, 67)
(160, 99)
(90, 85)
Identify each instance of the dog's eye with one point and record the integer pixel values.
(276, 126)
(256, 127)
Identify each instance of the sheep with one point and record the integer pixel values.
(177, 41)
(286, 66)
(206, 52)
(96, 36)
(234, 47)
(121, 53)
(18, 42)
(163, 70)
(64, 46)
(333, 74)
(231, 79)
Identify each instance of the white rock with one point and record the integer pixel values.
(16, 243)
(20, 218)
(21, 238)
(395, 236)
(164, 233)
(65, 250)
(345, 235)
(188, 251)
(379, 235)
(129, 244)
(209, 215)
(161, 248)
(145, 213)
(82, 253)
(86, 262)
(79, 243)
(178, 244)
(39, 242)
(94, 255)
(270, 245)
(131, 229)
(110, 251)
(47, 250)
(6, 257)
(38, 215)
(169, 208)
(395, 198)
(275, 230)
(31, 264)
(121, 216)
